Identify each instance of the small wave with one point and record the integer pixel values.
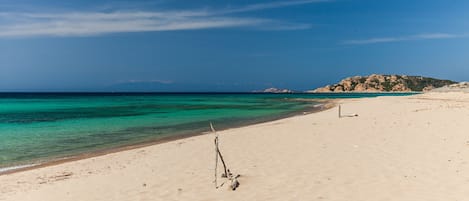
(7, 169)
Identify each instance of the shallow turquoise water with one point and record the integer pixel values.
(42, 126)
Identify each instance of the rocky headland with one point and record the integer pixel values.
(385, 83)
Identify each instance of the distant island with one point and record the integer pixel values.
(385, 83)
(274, 90)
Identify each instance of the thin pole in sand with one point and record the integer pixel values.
(340, 114)
(216, 155)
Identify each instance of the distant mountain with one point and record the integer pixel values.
(385, 83)
(157, 86)
(142, 86)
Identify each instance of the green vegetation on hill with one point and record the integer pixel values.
(385, 83)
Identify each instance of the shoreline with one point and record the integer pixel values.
(324, 104)
(397, 148)
(369, 92)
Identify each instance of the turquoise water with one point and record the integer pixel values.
(38, 127)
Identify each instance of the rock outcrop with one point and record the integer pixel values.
(385, 83)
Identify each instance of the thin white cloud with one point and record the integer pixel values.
(270, 5)
(97, 23)
(149, 81)
(437, 36)
(372, 40)
(404, 38)
(284, 26)
(73, 27)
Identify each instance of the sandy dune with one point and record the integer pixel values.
(398, 148)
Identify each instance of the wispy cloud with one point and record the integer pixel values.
(270, 5)
(148, 81)
(83, 24)
(429, 36)
(15, 24)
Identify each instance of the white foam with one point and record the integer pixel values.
(7, 169)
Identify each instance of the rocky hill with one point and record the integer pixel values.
(385, 83)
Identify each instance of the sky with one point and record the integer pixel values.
(226, 45)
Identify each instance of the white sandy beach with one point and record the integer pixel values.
(398, 148)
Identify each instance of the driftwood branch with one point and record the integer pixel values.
(346, 115)
(227, 173)
(218, 155)
(217, 150)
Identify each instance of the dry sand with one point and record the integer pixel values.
(398, 148)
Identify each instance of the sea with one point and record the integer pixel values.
(36, 128)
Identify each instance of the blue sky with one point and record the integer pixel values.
(175, 45)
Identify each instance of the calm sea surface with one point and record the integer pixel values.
(38, 127)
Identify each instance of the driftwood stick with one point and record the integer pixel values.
(345, 115)
(223, 162)
(227, 174)
(234, 183)
(216, 160)
(218, 154)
